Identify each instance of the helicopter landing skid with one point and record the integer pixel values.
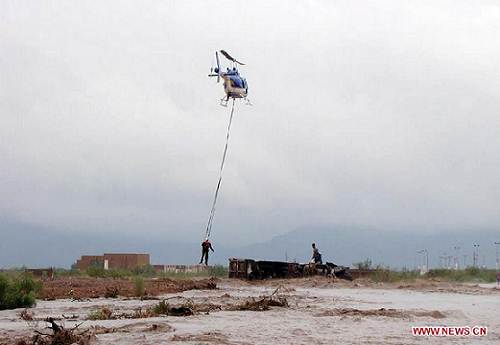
(224, 101)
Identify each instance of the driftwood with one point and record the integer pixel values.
(59, 336)
(262, 304)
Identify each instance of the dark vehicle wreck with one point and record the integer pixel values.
(252, 269)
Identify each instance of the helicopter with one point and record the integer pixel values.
(235, 86)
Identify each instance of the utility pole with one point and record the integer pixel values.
(446, 260)
(418, 262)
(475, 254)
(465, 261)
(442, 261)
(425, 265)
(457, 265)
(449, 257)
(496, 252)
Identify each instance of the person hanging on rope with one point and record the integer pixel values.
(205, 247)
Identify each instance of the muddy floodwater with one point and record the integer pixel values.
(319, 312)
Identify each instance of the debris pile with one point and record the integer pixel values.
(63, 336)
(263, 303)
(60, 336)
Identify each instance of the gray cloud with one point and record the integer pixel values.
(382, 114)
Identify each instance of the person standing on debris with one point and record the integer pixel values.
(205, 247)
(316, 257)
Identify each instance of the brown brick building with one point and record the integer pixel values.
(89, 260)
(113, 260)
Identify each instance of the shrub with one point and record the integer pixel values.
(139, 286)
(470, 274)
(95, 272)
(145, 271)
(385, 275)
(17, 291)
(118, 273)
(100, 272)
(100, 314)
(161, 308)
(363, 265)
(218, 271)
(73, 272)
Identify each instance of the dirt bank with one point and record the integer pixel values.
(324, 314)
(422, 285)
(78, 287)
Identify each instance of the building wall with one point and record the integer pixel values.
(127, 261)
(114, 260)
(88, 260)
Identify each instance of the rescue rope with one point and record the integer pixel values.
(212, 211)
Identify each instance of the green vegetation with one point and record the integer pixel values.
(381, 274)
(144, 272)
(161, 308)
(100, 272)
(139, 286)
(147, 271)
(471, 274)
(100, 314)
(363, 265)
(17, 291)
(218, 271)
(214, 271)
(385, 275)
(62, 272)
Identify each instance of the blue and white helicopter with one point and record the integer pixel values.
(235, 86)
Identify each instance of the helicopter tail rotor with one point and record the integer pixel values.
(216, 72)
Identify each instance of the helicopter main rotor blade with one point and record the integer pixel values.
(230, 58)
(218, 66)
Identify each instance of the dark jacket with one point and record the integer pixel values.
(206, 245)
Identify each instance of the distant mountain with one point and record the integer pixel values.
(346, 244)
(36, 246)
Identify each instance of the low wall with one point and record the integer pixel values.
(181, 268)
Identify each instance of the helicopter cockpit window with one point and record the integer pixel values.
(235, 82)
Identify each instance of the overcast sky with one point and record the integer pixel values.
(380, 113)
